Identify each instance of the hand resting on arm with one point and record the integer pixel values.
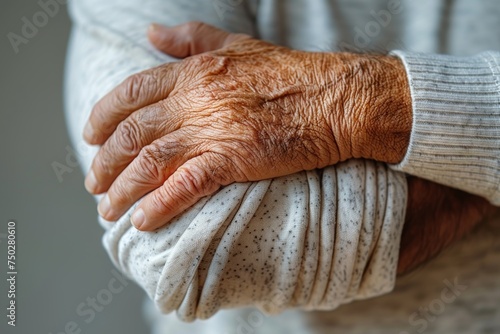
(242, 110)
(156, 127)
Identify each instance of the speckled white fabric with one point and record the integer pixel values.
(312, 240)
(457, 293)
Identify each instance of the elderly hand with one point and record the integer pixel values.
(238, 109)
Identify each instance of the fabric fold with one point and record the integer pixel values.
(312, 240)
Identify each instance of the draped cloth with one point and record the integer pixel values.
(313, 240)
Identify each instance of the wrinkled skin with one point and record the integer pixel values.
(217, 123)
(245, 112)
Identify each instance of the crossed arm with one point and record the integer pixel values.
(240, 110)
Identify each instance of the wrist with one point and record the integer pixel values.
(371, 110)
(385, 122)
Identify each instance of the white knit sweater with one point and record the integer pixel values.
(455, 137)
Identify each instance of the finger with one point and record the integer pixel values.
(137, 91)
(137, 131)
(197, 178)
(190, 38)
(148, 171)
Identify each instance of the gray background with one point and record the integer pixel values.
(56, 270)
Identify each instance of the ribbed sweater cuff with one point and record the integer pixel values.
(455, 139)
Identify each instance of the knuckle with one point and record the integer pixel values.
(192, 180)
(152, 163)
(128, 136)
(199, 65)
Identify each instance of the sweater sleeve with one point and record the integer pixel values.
(455, 138)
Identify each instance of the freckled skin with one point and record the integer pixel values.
(239, 109)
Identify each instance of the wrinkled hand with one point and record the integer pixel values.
(239, 110)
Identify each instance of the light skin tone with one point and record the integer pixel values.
(237, 109)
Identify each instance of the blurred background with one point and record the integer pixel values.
(60, 260)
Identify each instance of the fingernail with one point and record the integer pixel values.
(138, 218)
(88, 132)
(104, 206)
(91, 182)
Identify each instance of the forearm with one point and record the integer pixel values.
(436, 216)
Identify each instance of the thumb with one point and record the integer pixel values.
(190, 38)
